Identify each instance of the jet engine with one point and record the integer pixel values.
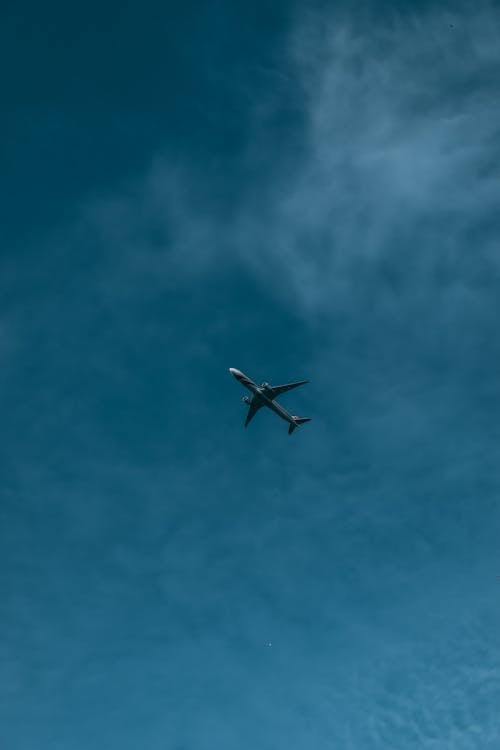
(245, 400)
(267, 389)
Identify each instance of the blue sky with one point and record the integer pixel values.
(300, 191)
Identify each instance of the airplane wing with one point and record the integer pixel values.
(255, 405)
(278, 389)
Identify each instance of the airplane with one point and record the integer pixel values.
(266, 395)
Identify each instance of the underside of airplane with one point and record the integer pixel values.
(266, 395)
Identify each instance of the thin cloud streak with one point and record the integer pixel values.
(401, 142)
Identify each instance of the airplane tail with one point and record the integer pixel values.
(296, 422)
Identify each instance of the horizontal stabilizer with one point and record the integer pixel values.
(296, 422)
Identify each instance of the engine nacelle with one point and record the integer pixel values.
(245, 400)
(267, 389)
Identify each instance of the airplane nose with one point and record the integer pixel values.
(234, 372)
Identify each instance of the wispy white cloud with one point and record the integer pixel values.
(399, 156)
(396, 162)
